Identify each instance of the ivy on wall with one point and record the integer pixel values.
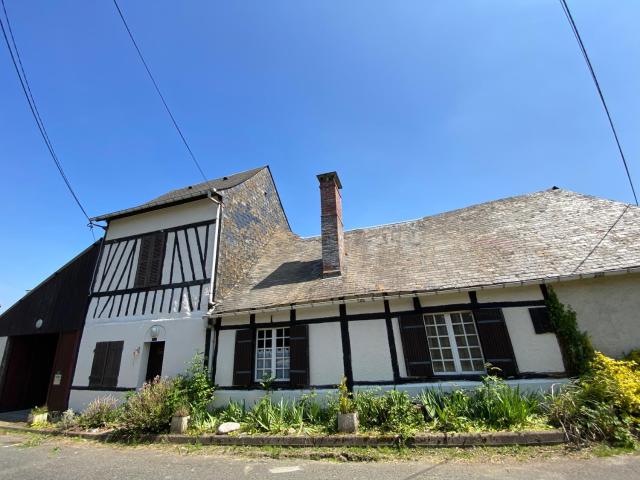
(576, 347)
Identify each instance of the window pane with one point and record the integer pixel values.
(449, 366)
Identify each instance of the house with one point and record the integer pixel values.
(214, 269)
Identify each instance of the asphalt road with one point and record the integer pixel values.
(56, 459)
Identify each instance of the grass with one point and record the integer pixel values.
(493, 455)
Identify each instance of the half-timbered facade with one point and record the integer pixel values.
(156, 274)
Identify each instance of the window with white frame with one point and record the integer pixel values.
(453, 343)
(272, 354)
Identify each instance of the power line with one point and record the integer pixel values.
(155, 84)
(583, 49)
(26, 89)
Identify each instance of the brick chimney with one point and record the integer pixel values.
(331, 224)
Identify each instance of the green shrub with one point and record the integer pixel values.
(391, 412)
(576, 347)
(194, 387)
(604, 404)
(149, 410)
(68, 420)
(345, 397)
(281, 417)
(446, 412)
(633, 356)
(101, 412)
(233, 412)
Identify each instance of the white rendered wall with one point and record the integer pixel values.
(325, 354)
(537, 353)
(370, 356)
(515, 294)
(184, 338)
(608, 308)
(184, 214)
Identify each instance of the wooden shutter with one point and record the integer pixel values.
(243, 358)
(414, 346)
(541, 320)
(99, 361)
(112, 365)
(495, 341)
(299, 355)
(150, 259)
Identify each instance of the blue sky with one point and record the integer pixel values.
(421, 107)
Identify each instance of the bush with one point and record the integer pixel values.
(101, 412)
(576, 347)
(194, 387)
(633, 356)
(149, 410)
(391, 412)
(67, 420)
(603, 404)
(492, 406)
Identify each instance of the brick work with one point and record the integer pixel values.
(252, 213)
(332, 230)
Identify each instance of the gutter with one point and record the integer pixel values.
(369, 297)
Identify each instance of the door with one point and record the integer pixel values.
(28, 372)
(154, 363)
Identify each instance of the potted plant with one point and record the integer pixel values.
(180, 420)
(38, 415)
(347, 415)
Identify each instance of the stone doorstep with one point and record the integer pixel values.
(490, 439)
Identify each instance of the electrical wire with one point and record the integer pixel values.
(576, 33)
(157, 88)
(26, 89)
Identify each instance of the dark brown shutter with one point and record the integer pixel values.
(150, 259)
(112, 365)
(99, 361)
(541, 320)
(299, 355)
(414, 346)
(243, 357)
(495, 341)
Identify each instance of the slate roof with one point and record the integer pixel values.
(534, 237)
(190, 192)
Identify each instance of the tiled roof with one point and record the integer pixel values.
(186, 193)
(544, 235)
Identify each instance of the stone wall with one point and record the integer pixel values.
(252, 212)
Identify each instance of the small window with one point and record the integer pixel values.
(541, 320)
(106, 364)
(453, 343)
(149, 272)
(272, 354)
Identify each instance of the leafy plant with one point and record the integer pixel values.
(182, 411)
(633, 356)
(101, 412)
(345, 398)
(194, 388)
(149, 410)
(67, 420)
(603, 404)
(576, 347)
(234, 412)
(39, 410)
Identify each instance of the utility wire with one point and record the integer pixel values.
(155, 84)
(583, 49)
(26, 88)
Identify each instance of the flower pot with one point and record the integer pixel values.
(37, 418)
(348, 422)
(179, 424)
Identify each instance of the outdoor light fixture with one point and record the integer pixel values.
(39, 323)
(154, 332)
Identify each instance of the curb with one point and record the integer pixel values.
(492, 439)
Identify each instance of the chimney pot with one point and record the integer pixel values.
(331, 224)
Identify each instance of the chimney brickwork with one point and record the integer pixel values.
(332, 231)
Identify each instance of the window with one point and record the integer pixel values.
(149, 272)
(453, 343)
(106, 364)
(272, 354)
